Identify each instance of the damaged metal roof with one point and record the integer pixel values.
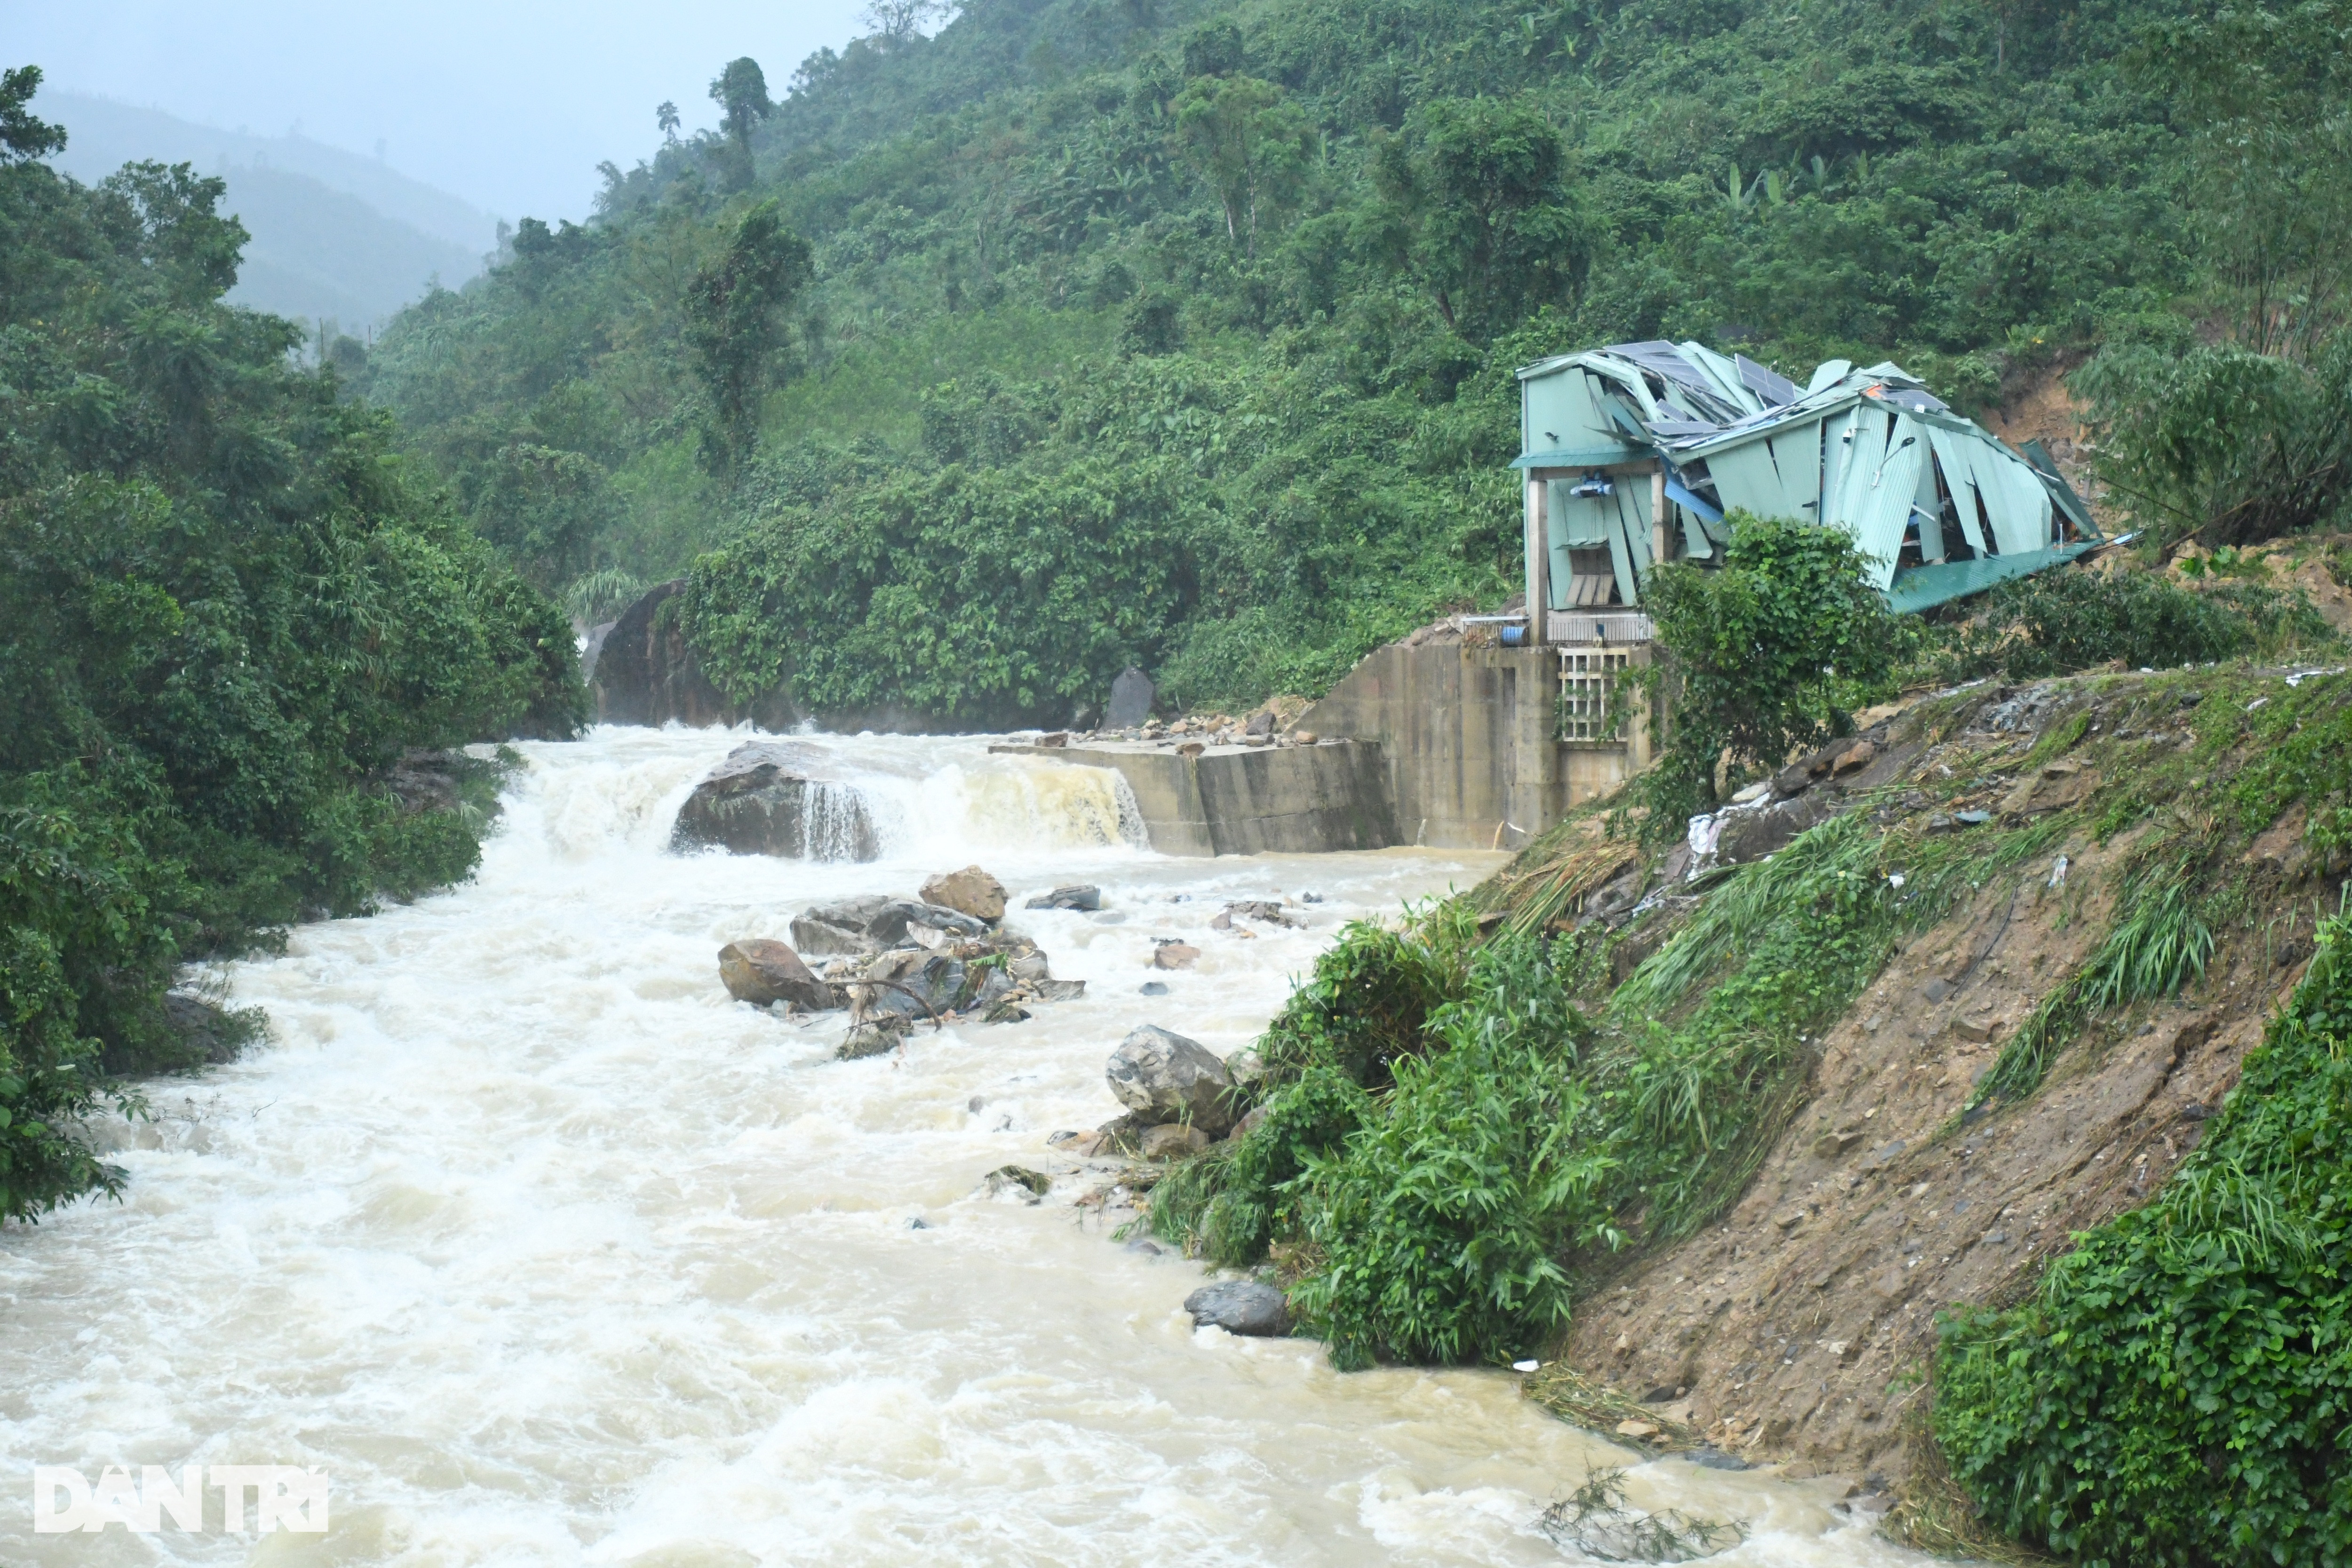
(1936, 505)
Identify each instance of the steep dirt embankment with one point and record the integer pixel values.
(1800, 1325)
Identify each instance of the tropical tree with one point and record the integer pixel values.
(742, 92)
(1250, 142)
(735, 323)
(1475, 207)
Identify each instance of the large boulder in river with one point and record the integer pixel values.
(764, 972)
(1160, 1077)
(771, 797)
(971, 890)
(1240, 1306)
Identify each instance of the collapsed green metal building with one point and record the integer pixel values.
(1635, 453)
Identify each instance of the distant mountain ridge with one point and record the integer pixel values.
(335, 235)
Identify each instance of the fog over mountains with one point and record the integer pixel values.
(336, 235)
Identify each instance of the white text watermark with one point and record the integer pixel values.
(285, 1497)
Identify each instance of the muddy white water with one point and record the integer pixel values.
(548, 1252)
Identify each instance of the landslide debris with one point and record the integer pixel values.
(2037, 1059)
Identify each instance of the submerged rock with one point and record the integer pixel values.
(769, 797)
(875, 921)
(1081, 896)
(825, 940)
(1161, 1077)
(1175, 955)
(764, 972)
(1240, 1306)
(874, 1037)
(1018, 1180)
(910, 982)
(970, 891)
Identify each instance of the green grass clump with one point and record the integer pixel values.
(2175, 1392)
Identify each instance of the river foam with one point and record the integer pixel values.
(549, 1253)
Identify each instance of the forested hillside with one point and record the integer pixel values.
(1084, 333)
(232, 608)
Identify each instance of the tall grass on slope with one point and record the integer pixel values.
(2160, 943)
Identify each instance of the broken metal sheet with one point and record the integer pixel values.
(1724, 375)
(1747, 477)
(2062, 494)
(1927, 504)
(1953, 452)
(1628, 527)
(1925, 587)
(1577, 522)
(1876, 498)
(1828, 374)
(1839, 432)
(1682, 495)
(1698, 542)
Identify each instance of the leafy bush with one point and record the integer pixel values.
(1235, 1201)
(1757, 657)
(1443, 1220)
(2174, 1391)
(1369, 999)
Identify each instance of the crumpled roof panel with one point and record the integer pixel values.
(1869, 450)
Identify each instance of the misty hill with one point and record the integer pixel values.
(1183, 333)
(334, 234)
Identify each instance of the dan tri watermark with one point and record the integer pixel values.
(284, 1497)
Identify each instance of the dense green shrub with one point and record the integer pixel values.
(2059, 622)
(2174, 1392)
(1368, 1001)
(2220, 443)
(1441, 1222)
(1757, 656)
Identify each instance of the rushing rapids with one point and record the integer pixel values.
(547, 1252)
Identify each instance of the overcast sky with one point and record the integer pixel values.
(508, 103)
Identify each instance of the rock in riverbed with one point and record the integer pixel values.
(771, 798)
(1240, 1306)
(1161, 1077)
(762, 972)
(970, 891)
(1171, 1141)
(876, 1036)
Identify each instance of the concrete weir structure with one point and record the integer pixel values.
(1470, 737)
(1247, 800)
(1449, 745)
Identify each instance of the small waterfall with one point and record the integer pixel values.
(857, 798)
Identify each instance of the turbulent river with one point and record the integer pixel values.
(548, 1252)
